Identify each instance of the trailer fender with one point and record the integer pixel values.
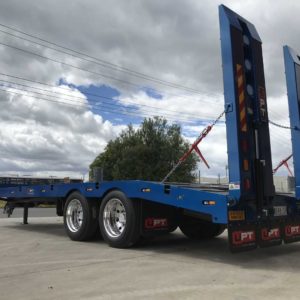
(113, 189)
(60, 204)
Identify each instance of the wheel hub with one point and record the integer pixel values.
(114, 217)
(74, 215)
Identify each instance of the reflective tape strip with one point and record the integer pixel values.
(241, 96)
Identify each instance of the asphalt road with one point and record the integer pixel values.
(39, 262)
(32, 212)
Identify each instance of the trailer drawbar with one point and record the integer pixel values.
(248, 207)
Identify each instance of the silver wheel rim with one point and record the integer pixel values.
(114, 217)
(74, 215)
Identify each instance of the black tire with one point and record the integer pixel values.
(89, 226)
(173, 228)
(199, 229)
(130, 233)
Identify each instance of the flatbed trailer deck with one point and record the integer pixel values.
(173, 195)
(254, 214)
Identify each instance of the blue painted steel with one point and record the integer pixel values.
(229, 95)
(292, 73)
(174, 195)
(229, 20)
(241, 50)
(187, 198)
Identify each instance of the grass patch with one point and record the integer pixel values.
(2, 203)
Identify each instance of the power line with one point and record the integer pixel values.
(279, 140)
(181, 117)
(92, 72)
(89, 71)
(90, 94)
(278, 137)
(276, 115)
(138, 114)
(95, 62)
(277, 134)
(98, 61)
(176, 117)
(117, 112)
(69, 65)
(78, 68)
(104, 64)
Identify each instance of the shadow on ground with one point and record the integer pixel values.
(52, 229)
(177, 247)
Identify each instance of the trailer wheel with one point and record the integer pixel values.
(119, 220)
(80, 217)
(199, 229)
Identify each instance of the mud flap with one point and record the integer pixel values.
(157, 218)
(250, 236)
(291, 231)
(242, 237)
(269, 234)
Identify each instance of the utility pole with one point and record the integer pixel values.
(226, 170)
(199, 176)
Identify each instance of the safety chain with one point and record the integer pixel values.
(219, 117)
(202, 135)
(283, 126)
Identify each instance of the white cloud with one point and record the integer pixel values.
(184, 108)
(173, 40)
(41, 135)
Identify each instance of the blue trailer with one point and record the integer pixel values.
(254, 214)
(292, 72)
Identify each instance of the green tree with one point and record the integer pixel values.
(147, 153)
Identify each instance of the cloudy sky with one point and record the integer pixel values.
(58, 108)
